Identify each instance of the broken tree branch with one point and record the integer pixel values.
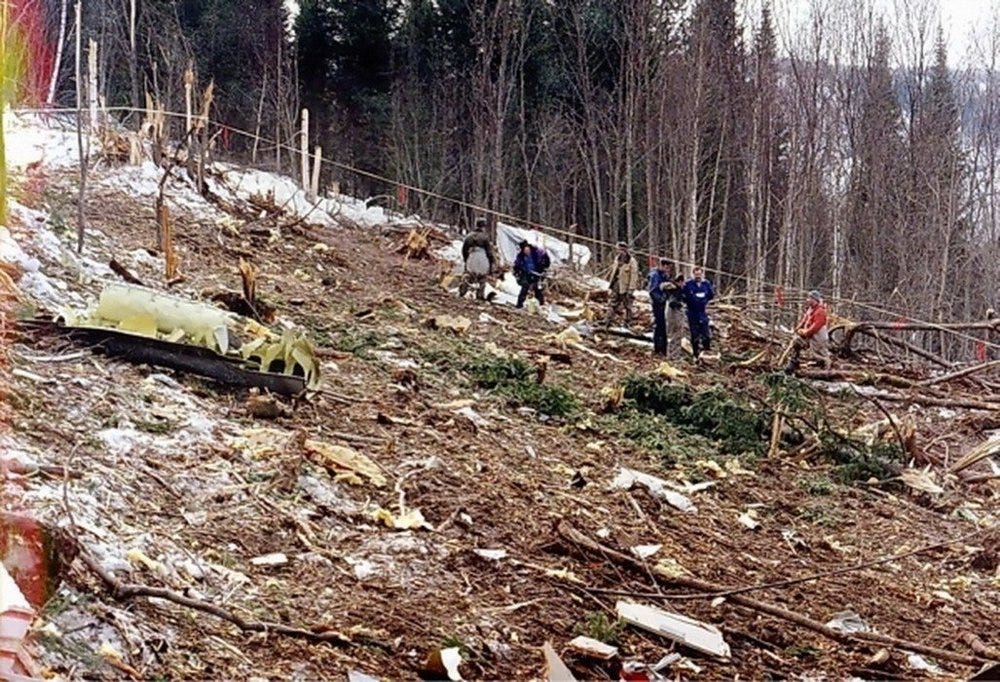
(983, 367)
(575, 537)
(125, 591)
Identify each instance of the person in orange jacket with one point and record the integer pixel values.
(812, 332)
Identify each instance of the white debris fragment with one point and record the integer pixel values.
(692, 633)
(477, 420)
(848, 622)
(657, 487)
(593, 648)
(645, 551)
(918, 662)
(748, 521)
(273, 559)
(491, 554)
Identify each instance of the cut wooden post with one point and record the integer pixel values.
(188, 87)
(317, 162)
(92, 82)
(304, 149)
(80, 218)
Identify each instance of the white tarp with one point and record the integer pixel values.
(508, 237)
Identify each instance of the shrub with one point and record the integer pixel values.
(495, 371)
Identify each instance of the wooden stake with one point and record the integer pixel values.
(317, 162)
(304, 149)
(92, 82)
(80, 217)
(188, 86)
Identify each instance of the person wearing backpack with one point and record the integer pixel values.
(529, 269)
(480, 260)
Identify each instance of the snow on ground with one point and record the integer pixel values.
(33, 138)
(244, 183)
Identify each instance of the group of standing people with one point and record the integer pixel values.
(677, 304)
(674, 301)
(680, 305)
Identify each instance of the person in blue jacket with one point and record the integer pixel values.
(529, 269)
(698, 292)
(661, 287)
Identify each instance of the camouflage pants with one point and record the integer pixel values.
(473, 281)
(619, 301)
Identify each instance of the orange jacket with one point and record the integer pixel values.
(814, 319)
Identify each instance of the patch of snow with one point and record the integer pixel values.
(122, 441)
(36, 138)
(143, 182)
(326, 210)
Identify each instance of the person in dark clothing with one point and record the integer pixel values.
(676, 325)
(661, 288)
(698, 292)
(529, 270)
(480, 260)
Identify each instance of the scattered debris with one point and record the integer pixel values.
(657, 487)
(410, 519)
(593, 648)
(848, 622)
(453, 323)
(921, 479)
(474, 417)
(359, 676)
(555, 669)
(270, 560)
(687, 631)
(645, 551)
(444, 664)
(665, 369)
(346, 463)
(748, 519)
(918, 662)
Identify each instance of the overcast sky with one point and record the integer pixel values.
(958, 18)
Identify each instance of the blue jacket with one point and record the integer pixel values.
(696, 296)
(532, 265)
(656, 294)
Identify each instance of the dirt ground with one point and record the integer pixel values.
(189, 496)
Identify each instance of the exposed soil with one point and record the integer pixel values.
(388, 383)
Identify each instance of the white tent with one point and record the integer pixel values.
(508, 237)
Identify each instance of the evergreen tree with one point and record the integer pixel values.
(939, 177)
(345, 69)
(719, 60)
(877, 185)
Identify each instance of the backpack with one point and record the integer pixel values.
(543, 261)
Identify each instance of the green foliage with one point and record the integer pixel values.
(156, 426)
(737, 424)
(492, 371)
(816, 485)
(356, 342)
(821, 515)
(653, 433)
(513, 378)
(787, 391)
(597, 625)
(554, 401)
(859, 461)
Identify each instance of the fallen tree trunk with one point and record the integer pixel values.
(577, 538)
(983, 367)
(861, 378)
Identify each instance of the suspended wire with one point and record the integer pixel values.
(195, 116)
